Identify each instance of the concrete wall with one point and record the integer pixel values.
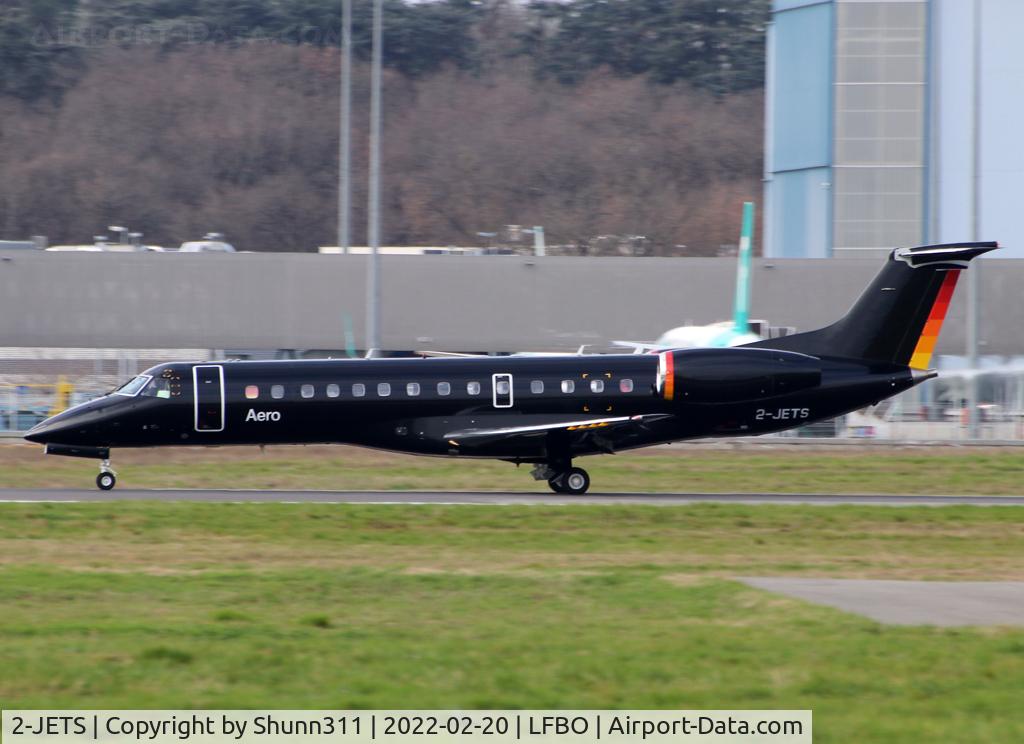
(267, 301)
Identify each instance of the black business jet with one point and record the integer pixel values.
(545, 411)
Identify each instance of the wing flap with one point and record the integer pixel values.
(476, 437)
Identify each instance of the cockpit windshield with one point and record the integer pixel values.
(133, 386)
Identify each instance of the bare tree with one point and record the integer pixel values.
(243, 139)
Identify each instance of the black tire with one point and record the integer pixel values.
(555, 484)
(106, 481)
(575, 481)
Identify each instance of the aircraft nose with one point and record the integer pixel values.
(44, 431)
(67, 427)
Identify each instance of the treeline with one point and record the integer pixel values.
(713, 44)
(113, 113)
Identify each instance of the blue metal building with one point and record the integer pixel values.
(892, 122)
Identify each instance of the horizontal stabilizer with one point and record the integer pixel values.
(948, 255)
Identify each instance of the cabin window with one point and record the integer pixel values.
(383, 389)
(412, 389)
(358, 390)
(333, 391)
(568, 386)
(473, 388)
(277, 392)
(504, 387)
(537, 387)
(307, 391)
(444, 388)
(252, 392)
(626, 385)
(597, 386)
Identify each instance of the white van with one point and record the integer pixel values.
(211, 243)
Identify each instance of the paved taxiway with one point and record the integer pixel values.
(441, 497)
(947, 603)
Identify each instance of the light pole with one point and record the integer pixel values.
(344, 145)
(974, 275)
(373, 226)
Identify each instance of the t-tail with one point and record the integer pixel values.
(741, 306)
(898, 318)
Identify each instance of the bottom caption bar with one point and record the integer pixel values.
(407, 726)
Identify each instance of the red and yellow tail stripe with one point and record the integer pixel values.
(926, 343)
(666, 375)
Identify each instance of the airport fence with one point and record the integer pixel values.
(22, 406)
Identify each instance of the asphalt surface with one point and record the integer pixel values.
(945, 603)
(441, 497)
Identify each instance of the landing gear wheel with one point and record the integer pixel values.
(555, 484)
(575, 481)
(106, 481)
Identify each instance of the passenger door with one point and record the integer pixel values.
(208, 389)
(501, 390)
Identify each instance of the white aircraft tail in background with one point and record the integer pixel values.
(735, 332)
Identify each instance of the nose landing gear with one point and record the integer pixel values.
(107, 478)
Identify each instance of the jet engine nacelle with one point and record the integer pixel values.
(734, 375)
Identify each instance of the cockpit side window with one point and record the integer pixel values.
(133, 386)
(158, 387)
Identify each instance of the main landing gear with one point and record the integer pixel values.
(568, 480)
(107, 478)
(575, 481)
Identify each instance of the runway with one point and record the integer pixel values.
(485, 498)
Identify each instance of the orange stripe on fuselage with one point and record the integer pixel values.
(926, 343)
(670, 376)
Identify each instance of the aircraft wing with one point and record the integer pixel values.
(446, 354)
(579, 352)
(641, 347)
(610, 426)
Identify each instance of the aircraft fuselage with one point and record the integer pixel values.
(544, 410)
(462, 406)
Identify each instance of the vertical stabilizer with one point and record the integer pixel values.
(741, 307)
(898, 318)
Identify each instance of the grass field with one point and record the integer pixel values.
(140, 605)
(921, 470)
